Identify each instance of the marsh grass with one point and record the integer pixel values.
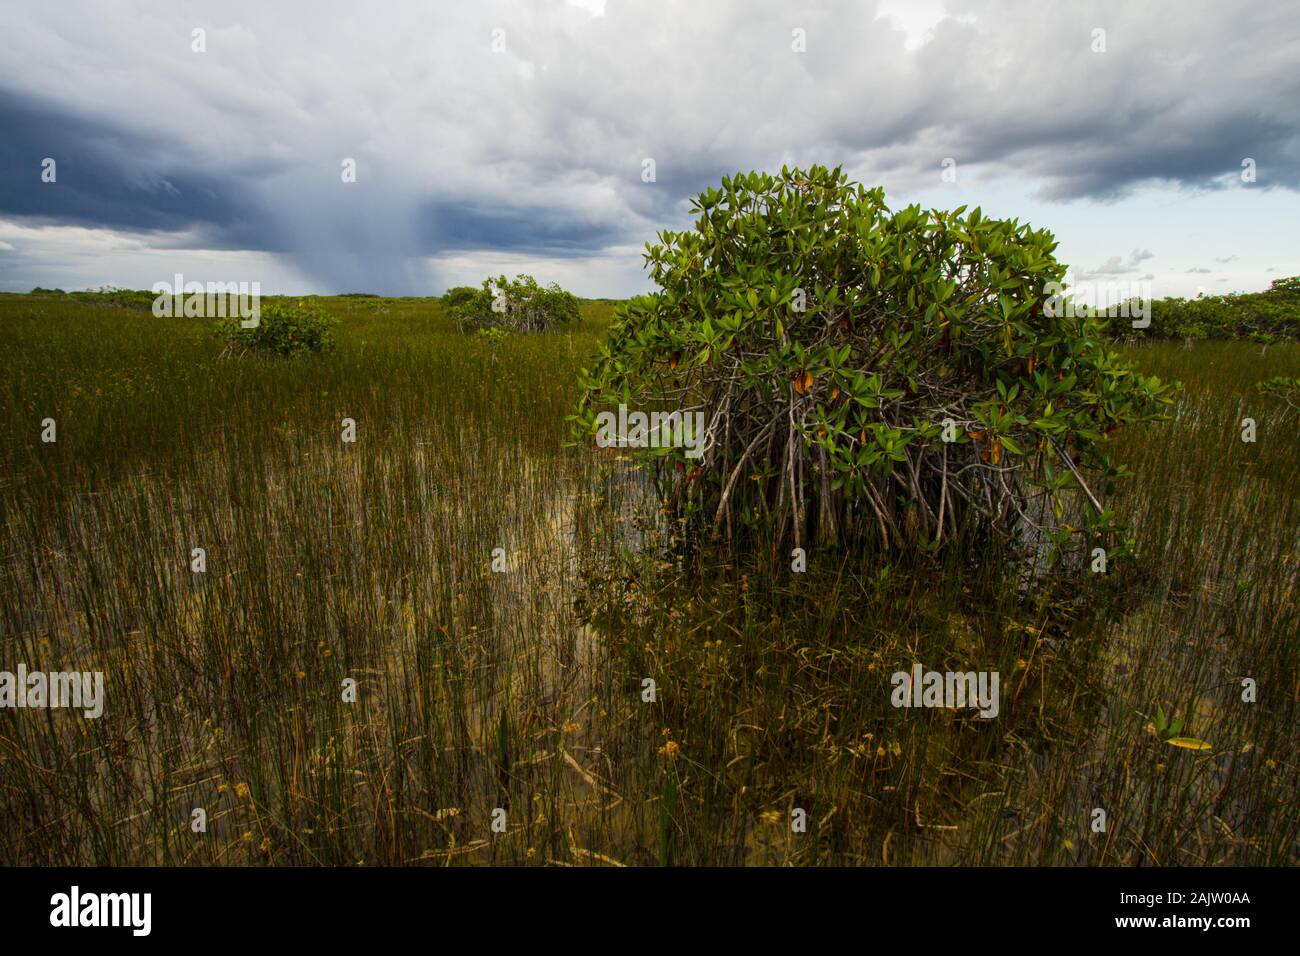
(523, 689)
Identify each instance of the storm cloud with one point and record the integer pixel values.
(523, 129)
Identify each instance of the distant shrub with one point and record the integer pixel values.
(283, 329)
(137, 300)
(1269, 316)
(458, 296)
(517, 306)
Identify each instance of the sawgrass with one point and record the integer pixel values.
(523, 690)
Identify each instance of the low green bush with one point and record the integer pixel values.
(458, 296)
(516, 306)
(283, 329)
(864, 371)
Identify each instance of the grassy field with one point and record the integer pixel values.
(522, 689)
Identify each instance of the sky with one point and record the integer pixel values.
(213, 139)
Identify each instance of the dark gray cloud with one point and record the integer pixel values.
(113, 175)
